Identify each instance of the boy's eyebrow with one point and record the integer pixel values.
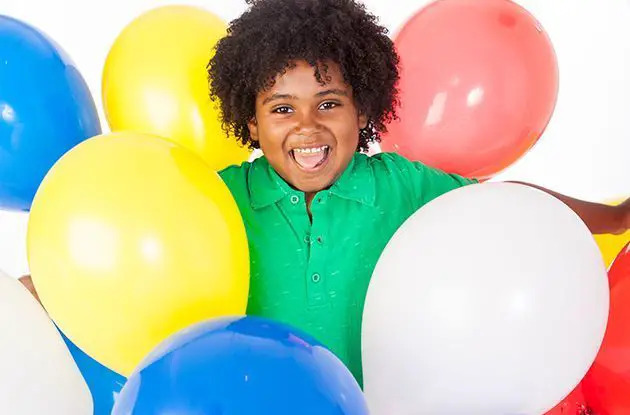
(275, 97)
(334, 91)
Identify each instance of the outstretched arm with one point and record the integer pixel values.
(599, 218)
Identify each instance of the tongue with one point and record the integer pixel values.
(309, 160)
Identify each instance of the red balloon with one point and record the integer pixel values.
(620, 267)
(479, 82)
(607, 383)
(573, 404)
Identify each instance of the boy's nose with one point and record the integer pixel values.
(307, 124)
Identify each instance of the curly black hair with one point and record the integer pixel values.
(272, 34)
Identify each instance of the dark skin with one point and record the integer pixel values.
(299, 112)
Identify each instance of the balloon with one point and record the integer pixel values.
(241, 366)
(491, 299)
(155, 81)
(573, 404)
(610, 245)
(37, 373)
(45, 110)
(607, 384)
(104, 384)
(479, 81)
(131, 238)
(620, 268)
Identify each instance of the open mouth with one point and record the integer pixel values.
(312, 158)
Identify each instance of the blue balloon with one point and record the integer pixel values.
(45, 110)
(241, 366)
(104, 384)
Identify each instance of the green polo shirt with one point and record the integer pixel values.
(314, 276)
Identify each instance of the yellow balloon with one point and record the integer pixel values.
(132, 238)
(155, 81)
(611, 245)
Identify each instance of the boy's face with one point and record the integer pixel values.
(309, 132)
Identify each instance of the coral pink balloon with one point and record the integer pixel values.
(479, 82)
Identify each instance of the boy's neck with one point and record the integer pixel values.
(309, 199)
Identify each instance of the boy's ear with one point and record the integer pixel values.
(253, 129)
(363, 121)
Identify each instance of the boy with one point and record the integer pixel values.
(311, 83)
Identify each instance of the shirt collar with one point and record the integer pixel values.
(266, 187)
(356, 183)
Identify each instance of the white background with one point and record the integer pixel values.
(584, 153)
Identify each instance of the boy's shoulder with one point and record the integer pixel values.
(236, 176)
(239, 171)
(391, 163)
(235, 169)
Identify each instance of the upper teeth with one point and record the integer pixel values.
(310, 150)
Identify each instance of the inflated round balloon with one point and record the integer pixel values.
(37, 374)
(132, 238)
(607, 384)
(609, 244)
(491, 299)
(104, 384)
(241, 366)
(479, 81)
(155, 81)
(45, 110)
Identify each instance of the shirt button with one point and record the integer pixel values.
(295, 199)
(307, 239)
(315, 278)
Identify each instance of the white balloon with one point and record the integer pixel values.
(491, 299)
(37, 372)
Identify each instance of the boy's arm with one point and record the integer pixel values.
(599, 218)
(28, 283)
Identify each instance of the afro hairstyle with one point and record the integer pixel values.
(271, 35)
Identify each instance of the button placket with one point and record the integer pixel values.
(316, 277)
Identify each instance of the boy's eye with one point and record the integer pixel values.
(328, 105)
(282, 110)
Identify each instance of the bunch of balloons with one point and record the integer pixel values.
(138, 251)
(132, 235)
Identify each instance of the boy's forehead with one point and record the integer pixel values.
(300, 75)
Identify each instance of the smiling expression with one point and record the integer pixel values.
(309, 131)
